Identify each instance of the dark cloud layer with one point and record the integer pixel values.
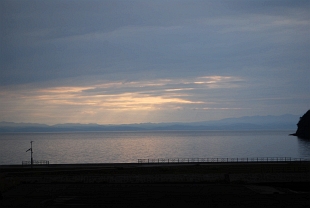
(80, 43)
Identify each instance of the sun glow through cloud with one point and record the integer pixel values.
(133, 61)
(111, 98)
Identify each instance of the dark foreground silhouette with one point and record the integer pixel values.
(166, 185)
(303, 130)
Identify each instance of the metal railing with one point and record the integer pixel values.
(36, 162)
(221, 160)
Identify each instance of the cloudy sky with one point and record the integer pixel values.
(113, 61)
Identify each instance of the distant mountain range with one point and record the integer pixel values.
(283, 122)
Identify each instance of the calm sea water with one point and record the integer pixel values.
(114, 147)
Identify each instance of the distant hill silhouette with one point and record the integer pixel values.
(282, 122)
(303, 130)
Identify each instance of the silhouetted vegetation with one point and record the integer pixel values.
(303, 130)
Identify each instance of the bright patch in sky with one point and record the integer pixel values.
(112, 62)
(119, 98)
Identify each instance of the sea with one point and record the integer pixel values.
(128, 147)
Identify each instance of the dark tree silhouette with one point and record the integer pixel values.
(303, 130)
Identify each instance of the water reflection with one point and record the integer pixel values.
(304, 147)
(101, 147)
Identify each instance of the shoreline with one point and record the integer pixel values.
(110, 184)
(240, 172)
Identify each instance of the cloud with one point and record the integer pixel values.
(97, 56)
(119, 97)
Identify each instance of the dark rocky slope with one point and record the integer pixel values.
(303, 130)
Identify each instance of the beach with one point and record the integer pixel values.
(222, 185)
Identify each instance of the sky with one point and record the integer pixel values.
(138, 61)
